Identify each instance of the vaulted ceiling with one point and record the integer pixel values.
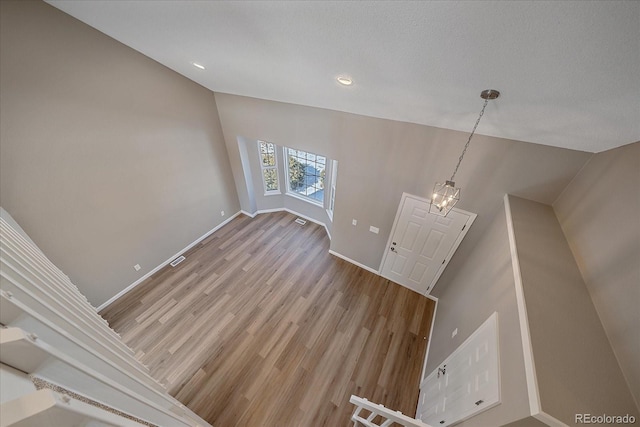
(568, 71)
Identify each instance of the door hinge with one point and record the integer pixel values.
(443, 261)
(463, 227)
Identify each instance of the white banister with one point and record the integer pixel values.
(46, 407)
(49, 320)
(366, 413)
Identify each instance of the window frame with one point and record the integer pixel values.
(273, 167)
(293, 193)
(333, 174)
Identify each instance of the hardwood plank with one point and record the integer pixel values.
(261, 326)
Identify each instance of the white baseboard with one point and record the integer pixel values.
(364, 267)
(310, 219)
(262, 211)
(248, 214)
(159, 267)
(549, 420)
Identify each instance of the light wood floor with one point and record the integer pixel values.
(261, 326)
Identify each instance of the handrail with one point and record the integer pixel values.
(389, 416)
(33, 286)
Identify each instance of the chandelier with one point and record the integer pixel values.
(446, 195)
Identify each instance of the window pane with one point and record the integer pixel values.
(306, 174)
(268, 160)
(270, 179)
(267, 153)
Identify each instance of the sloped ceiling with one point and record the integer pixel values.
(568, 71)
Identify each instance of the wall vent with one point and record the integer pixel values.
(177, 261)
(300, 221)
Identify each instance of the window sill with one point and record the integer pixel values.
(305, 199)
(273, 193)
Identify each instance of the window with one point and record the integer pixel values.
(305, 174)
(269, 167)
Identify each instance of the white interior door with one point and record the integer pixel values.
(466, 383)
(431, 403)
(422, 244)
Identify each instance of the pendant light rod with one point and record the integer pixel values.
(445, 196)
(486, 95)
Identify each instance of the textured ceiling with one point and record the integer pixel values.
(569, 72)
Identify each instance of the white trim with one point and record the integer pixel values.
(39, 403)
(549, 420)
(315, 221)
(354, 262)
(465, 230)
(54, 352)
(529, 363)
(307, 199)
(492, 320)
(288, 191)
(329, 214)
(376, 410)
(263, 211)
(426, 353)
(165, 263)
(309, 219)
(274, 167)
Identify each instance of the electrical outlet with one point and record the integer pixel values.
(454, 333)
(221, 213)
(373, 229)
(137, 267)
(354, 222)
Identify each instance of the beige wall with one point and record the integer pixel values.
(108, 159)
(600, 215)
(380, 159)
(485, 284)
(575, 367)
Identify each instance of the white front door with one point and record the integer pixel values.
(466, 383)
(421, 243)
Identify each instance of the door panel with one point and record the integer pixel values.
(420, 243)
(432, 400)
(433, 243)
(418, 272)
(470, 383)
(409, 236)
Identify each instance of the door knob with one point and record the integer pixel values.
(393, 249)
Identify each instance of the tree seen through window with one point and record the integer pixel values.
(306, 173)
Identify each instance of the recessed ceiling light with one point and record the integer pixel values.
(195, 64)
(344, 80)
